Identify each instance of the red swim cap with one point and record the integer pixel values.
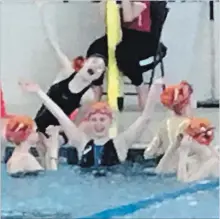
(78, 63)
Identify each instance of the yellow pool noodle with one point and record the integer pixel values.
(113, 36)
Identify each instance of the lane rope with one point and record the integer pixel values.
(135, 206)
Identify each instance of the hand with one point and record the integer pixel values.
(52, 140)
(53, 131)
(29, 86)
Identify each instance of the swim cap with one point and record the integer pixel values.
(200, 129)
(78, 63)
(18, 129)
(176, 97)
(99, 107)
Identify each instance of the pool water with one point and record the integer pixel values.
(203, 204)
(72, 193)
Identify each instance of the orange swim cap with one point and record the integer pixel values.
(176, 97)
(18, 129)
(200, 129)
(99, 107)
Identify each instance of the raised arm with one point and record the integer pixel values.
(167, 163)
(136, 129)
(153, 148)
(76, 137)
(64, 60)
(191, 169)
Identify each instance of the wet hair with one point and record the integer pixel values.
(18, 129)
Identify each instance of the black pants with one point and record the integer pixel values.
(135, 46)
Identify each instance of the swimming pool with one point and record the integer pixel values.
(70, 193)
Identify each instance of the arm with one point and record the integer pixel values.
(164, 164)
(98, 88)
(191, 170)
(65, 62)
(52, 147)
(76, 137)
(131, 10)
(153, 147)
(134, 132)
(98, 91)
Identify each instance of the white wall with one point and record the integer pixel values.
(25, 52)
(24, 49)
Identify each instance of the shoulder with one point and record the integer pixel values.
(63, 75)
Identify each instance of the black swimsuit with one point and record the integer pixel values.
(108, 156)
(63, 97)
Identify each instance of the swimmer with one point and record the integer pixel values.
(67, 66)
(68, 91)
(20, 132)
(98, 149)
(177, 98)
(190, 154)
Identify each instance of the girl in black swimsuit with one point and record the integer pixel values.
(75, 79)
(99, 149)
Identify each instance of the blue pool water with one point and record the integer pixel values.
(70, 193)
(203, 204)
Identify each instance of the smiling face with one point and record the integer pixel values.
(99, 118)
(100, 124)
